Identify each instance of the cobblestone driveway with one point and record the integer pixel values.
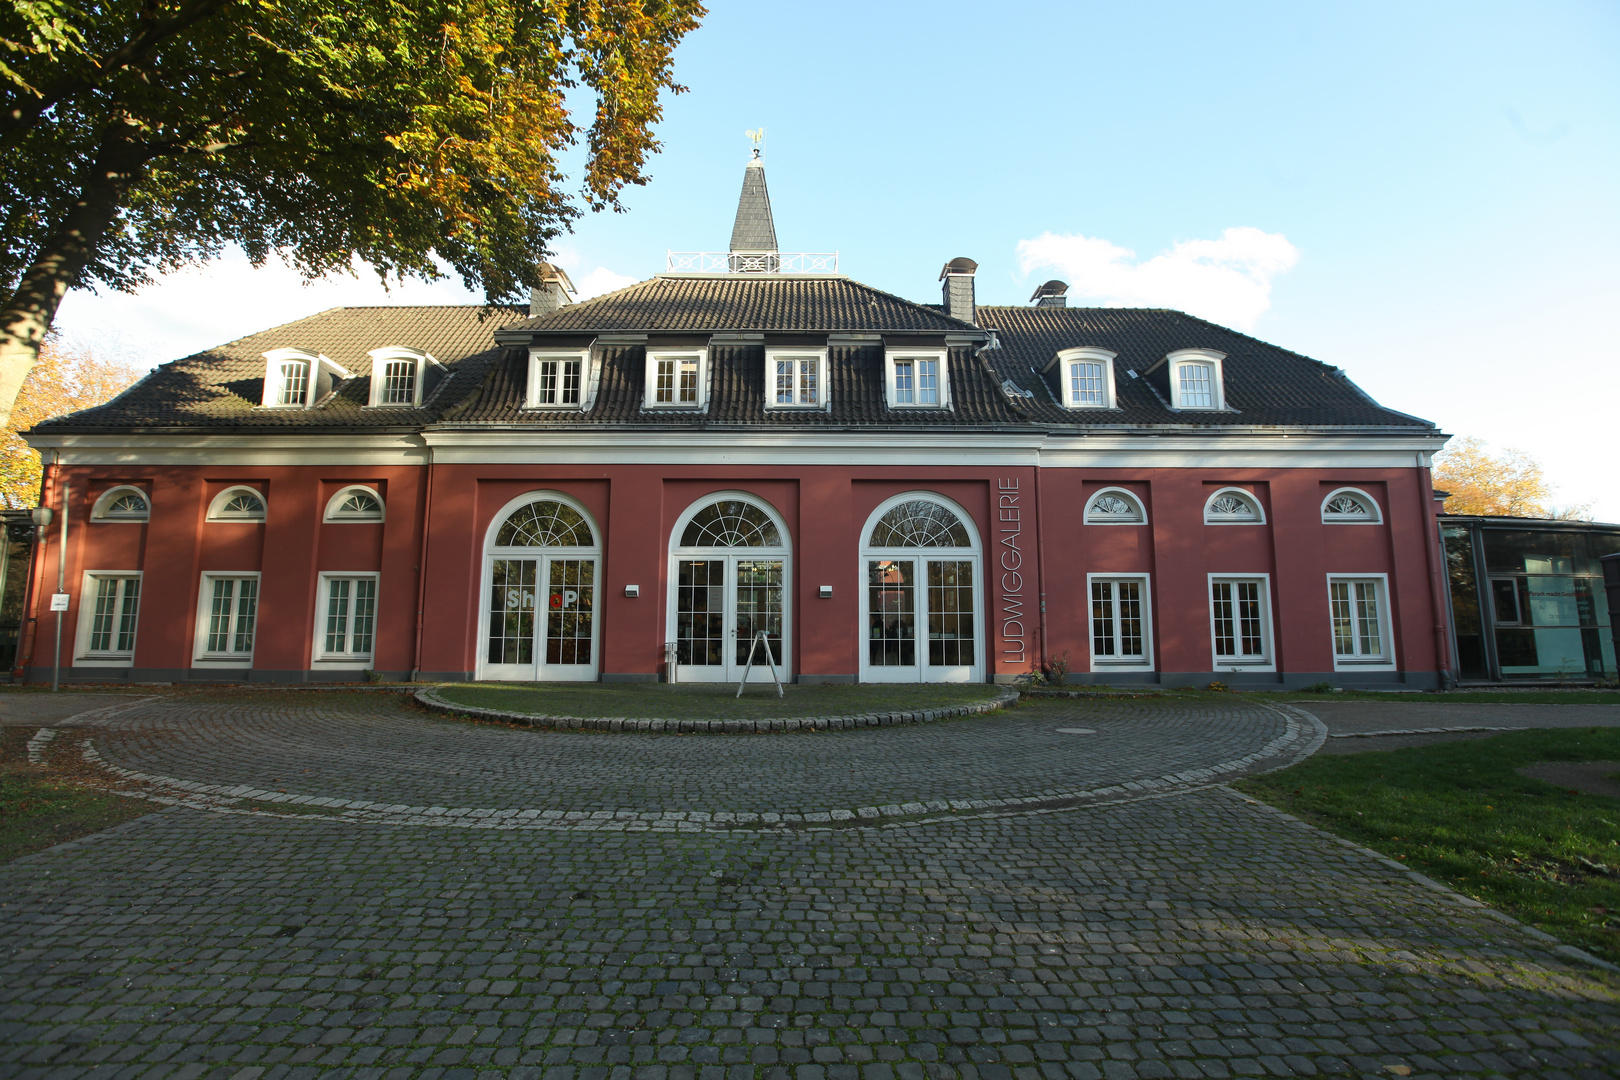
(1187, 933)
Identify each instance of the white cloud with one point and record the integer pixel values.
(1226, 280)
(602, 280)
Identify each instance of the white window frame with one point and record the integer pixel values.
(320, 659)
(1208, 357)
(1084, 355)
(1248, 496)
(205, 610)
(106, 658)
(889, 390)
(216, 508)
(1267, 661)
(1384, 661)
(816, 355)
(1134, 663)
(380, 359)
(333, 517)
(1375, 517)
(531, 396)
(1126, 493)
(650, 390)
(271, 397)
(99, 512)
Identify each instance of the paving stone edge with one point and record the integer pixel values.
(429, 699)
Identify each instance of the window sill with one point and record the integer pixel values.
(342, 661)
(104, 661)
(235, 660)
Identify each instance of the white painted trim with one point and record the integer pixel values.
(1199, 356)
(331, 517)
(1084, 354)
(98, 512)
(678, 552)
(775, 353)
(270, 397)
(1127, 493)
(215, 507)
(320, 660)
(650, 386)
(1375, 518)
(1385, 624)
(1246, 495)
(199, 652)
(379, 363)
(1267, 619)
(82, 657)
(1146, 662)
(531, 388)
(891, 354)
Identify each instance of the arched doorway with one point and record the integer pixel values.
(542, 562)
(921, 596)
(729, 570)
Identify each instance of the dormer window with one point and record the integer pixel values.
(397, 375)
(917, 379)
(237, 504)
(297, 378)
(677, 379)
(1195, 379)
(795, 378)
(557, 379)
(1086, 376)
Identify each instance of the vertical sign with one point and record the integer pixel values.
(1009, 562)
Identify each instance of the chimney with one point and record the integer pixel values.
(553, 292)
(958, 279)
(1053, 294)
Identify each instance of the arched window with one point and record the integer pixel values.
(354, 504)
(542, 570)
(545, 523)
(237, 504)
(1233, 506)
(1350, 506)
(729, 582)
(921, 599)
(731, 523)
(397, 375)
(919, 523)
(122, 504)
(1115, 506)
(1195, 379)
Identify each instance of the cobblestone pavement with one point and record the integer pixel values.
(1187, 933)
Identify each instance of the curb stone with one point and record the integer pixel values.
(429, 699)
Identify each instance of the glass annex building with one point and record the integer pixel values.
(1527, 598)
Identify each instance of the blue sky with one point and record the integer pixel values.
(1425, 195)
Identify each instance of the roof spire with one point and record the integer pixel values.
(754, 232)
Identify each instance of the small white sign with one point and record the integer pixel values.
(59, 601)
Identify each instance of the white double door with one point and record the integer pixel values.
(720, 603)
(922, 621)
(540, 618)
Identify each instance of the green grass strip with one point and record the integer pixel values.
(1459, 812)
(39, 809)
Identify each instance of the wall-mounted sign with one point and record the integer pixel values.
(59, 601)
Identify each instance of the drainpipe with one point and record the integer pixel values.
(61, 587)
(421, 570)
(1040, 563)
(1431, 543)
(36, 570)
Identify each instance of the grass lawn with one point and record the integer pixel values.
(709, 701)
(38, 809)
(1465, 697)
(1459, 813)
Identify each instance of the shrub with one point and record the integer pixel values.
(1217, 685)
(1322, 687)
(1057, 668)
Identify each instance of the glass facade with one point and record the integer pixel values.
(1528, 602)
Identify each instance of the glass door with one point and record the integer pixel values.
(529, 642)
(920, 620)
(720, 604)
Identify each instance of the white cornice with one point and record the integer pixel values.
(267, 449)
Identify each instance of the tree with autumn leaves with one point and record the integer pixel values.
(1510, 485)
(137, 136)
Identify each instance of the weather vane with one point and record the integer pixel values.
(757, 137)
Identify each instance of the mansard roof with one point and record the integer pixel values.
(484, 358)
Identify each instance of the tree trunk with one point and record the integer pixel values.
(29, 311)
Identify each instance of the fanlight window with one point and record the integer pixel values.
(125, 505)
(1114, 507)
(240, 504)
(919, 523)
(545, 523)
(356, 504)
(1232, 507)
(1350, 506)
(731, 523)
